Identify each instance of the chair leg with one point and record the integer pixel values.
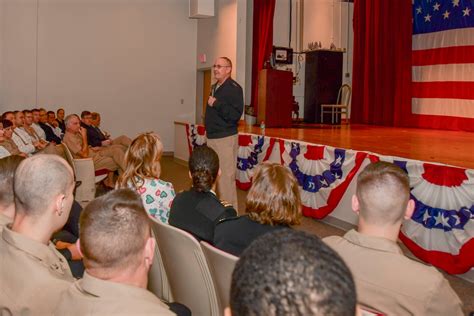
(322, 115)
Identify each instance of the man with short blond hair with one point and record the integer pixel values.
(117, 260)
(386, 279)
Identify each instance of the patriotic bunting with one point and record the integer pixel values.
(196, 136)
(323, 172)
(441, 230)
(253, 149)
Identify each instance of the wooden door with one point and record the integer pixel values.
(206, 90)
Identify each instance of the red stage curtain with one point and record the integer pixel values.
(263, 11)
(382, 62)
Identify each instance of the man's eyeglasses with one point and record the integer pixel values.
(218, 66)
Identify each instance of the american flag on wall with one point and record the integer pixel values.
(443, 61)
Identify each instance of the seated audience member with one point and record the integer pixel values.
(41, 145)
(96, 137)
(53, 123)
(289, 272)
(387, 280)
(142, 174)
(6, 142)
(28, 127)
(3, 151)
(75, 138)
(198, 210)
(273, 203)
(32, 271)
(8, 115)
(48, 130)
(8, 166)
(118, 251)
(21, 138)
(60, 115)
(35, 125)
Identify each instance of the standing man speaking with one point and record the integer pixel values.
(224, 109)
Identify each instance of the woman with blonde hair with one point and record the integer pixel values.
(142, 173)
(273, 203)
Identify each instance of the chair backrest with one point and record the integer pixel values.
(221, 264)
(69, 157)
(344, 95)
(157, 279)
(84, 172)
(186, 267)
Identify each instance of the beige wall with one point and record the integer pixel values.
(133, 60)
(229, 34)
(217, 36)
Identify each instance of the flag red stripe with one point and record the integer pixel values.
(444, 90)
(445, 55)
(443, 122)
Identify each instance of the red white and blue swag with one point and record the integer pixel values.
(323, 172)
(253, 149)
(441, 230)
(196, 136)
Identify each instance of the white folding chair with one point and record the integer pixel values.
(157, 279)
(84, 170)
(221, 264)
(187, 271)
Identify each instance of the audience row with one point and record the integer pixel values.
(280, 272)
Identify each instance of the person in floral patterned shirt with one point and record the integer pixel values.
(142, 173)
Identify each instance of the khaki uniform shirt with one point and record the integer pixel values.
(4, 220)
(9, 145)
(100, 158)
(32, 275)
(74, 143)
(390, 282)
(93, 296)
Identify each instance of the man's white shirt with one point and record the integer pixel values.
(23, 141)
(39, 131)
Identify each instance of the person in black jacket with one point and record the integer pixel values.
(223, 112)
(50, 135)
(198, 210)
(273, 203)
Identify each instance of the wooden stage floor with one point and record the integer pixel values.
(448, 147)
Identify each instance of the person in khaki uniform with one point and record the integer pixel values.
(117, 260)
(32, 271)
(111, 158)
(386, 280)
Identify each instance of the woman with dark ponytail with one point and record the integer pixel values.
(198, 210)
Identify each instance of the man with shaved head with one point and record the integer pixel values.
(32, 271)
(386, 280)
(118, 250)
